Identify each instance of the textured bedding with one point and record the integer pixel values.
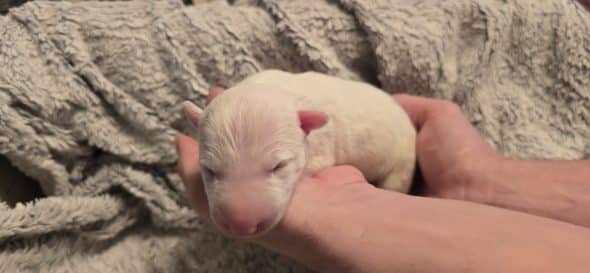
(90, 97)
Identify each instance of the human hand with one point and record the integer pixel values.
(452, 156)
(298, 231)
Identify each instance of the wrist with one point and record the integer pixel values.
(483, 177)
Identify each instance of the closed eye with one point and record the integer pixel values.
(281, 165)
(209, 172)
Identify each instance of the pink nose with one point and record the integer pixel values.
(244, 227)
(244, 222)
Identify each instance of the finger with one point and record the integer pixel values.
(418, 108)
(214, 92)
(188, 156)
(341, 174)
(188, 169)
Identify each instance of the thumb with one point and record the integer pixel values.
(417, 108)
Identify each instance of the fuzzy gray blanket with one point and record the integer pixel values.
(90, 99)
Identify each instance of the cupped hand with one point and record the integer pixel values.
(452, 156)
(328, 188)
(450, 153)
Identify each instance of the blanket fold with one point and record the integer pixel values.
(90, 97)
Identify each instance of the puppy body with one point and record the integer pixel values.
(366, 128)
(258, 138)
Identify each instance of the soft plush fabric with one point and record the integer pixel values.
(90, 98)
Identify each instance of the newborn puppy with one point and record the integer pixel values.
(260, 137)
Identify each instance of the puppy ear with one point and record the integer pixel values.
(311, 120)
(192, 112)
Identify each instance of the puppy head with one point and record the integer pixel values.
(252, 154)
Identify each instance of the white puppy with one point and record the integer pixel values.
(260, 137)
